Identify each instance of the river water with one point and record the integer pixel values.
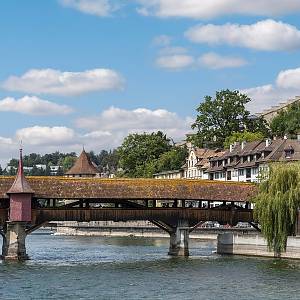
(139, 268)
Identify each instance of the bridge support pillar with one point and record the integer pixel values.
(179, 239)
(14, 247)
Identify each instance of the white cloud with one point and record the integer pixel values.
(267, 35)
(115, 124)
(32, 105)
(100, 8)
(120, 122)
(5, 141)
(286, 87)
(215, 61)
(172, 50)
(175, 61)
(7, 148)
(207, 9)
(162, 40)
(177, 58)
(38, 135)
(289, 79)
(49, 81)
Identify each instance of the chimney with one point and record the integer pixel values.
(243, 144)
(268, 142)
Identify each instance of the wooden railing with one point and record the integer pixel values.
(129, 214)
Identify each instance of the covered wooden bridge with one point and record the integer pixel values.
(28, 203)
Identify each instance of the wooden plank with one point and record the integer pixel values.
(168, 215)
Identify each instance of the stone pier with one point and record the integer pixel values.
(14, 242)
(179, 239)
(20, 198)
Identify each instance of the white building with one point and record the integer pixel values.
(174, 174)
(246, 162)
(198, 162)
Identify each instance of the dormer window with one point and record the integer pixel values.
(289, 151)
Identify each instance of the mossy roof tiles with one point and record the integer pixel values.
(96, 188)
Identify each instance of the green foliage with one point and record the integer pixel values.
(48, 159)
(287, 121)
(1, 171)
(12, 172)
(139, 152)
(277, 204)
(220, 117)
(106, 160)
(60, 172)
(66, 163)
(242, 136)
(172, 160)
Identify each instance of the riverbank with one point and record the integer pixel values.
(137, 229)
(254, 245)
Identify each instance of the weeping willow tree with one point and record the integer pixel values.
(277, 204)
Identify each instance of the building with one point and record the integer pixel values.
(83, 167)
(270, 113)
(174, 174)
(198, 162)
(247, 161)
(54, 170)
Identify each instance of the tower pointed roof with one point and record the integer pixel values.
(83, 166)
(20, 185)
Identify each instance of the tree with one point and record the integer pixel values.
(48, 171)
(242, 136)
(60, 171)
(67, 163)
(12, 171)
(277, 204)
(220, 117)
(172, 160)
(287, 121)
(139, 149)
(13, 162)
(1, 171)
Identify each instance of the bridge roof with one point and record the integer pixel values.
(97, 188)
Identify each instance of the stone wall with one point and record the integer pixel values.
(229, 243)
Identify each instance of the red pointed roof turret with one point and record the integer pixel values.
(83, 166)
(20, 185)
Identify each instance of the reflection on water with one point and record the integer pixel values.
(139, 268)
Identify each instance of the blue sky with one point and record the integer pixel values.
(76, 72)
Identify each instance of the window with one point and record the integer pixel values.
(255, 171)
(241, 172)
(216, 175)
